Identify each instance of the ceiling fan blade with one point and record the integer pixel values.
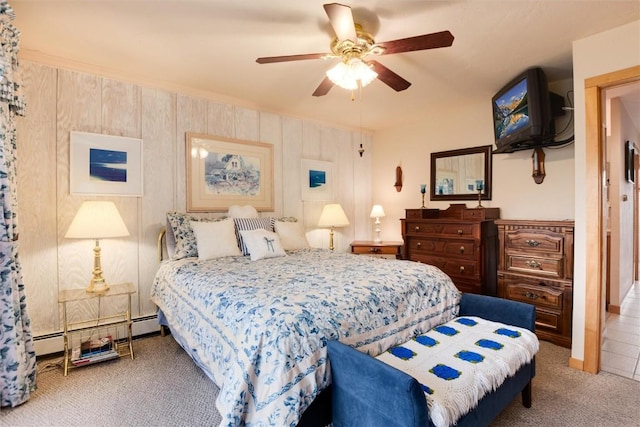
(272, 59)
(425, 41)
(341, 20)
(324, 87)
(388, 77)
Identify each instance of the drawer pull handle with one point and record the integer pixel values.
(419, 244)
(533, 264)
(417, 228)
(531, 295)
(374, 249)
(459, 231)
(461, 249)
(532, 243)
(462, 269)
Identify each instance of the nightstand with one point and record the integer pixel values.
(96, 339)
(382, 249)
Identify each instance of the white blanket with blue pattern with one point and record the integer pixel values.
(459, 362)
(259, 328)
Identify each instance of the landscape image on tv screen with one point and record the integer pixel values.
(511, 110)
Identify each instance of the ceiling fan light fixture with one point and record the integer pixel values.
(346, 74)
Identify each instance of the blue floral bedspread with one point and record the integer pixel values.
(259, 328)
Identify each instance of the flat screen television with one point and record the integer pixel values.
(522, 115)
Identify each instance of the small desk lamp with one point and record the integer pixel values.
(377, 212)
(332, 216)
(97, 220)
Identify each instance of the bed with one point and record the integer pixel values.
(259, 328)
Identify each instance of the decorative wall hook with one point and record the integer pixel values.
(398, 183)
(537, 158)
(361, 150)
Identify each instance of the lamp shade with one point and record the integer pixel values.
(333, 216)
(96, 220)
(377, 211)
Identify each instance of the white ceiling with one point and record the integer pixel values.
(211, 45)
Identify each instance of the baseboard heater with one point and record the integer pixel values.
(54, 342)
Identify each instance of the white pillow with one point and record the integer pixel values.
(292, 235)
(215, 239)
(262, 243)
(247, 211)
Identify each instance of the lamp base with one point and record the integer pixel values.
(331, 239)
(377, 239)
(98, 284)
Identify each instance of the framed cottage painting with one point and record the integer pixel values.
(102, 165)
(222, 172)
(317, 180)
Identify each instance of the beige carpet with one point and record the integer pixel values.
(163, 387)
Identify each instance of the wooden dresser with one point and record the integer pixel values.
(461, 241)
(536, 266)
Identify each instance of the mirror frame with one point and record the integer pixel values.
(486, 150)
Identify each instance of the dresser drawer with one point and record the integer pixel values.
(538, 293)
(453, 267)
(548, 320)
(375, 250)
(534, 241)
(459, 229)
(552, 267)
(481, 213)
(422, 213)
(460, 248)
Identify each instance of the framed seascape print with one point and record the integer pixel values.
(105, 165)
(317, 180)
(222, 172)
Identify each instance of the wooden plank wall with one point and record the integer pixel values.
(61, 100)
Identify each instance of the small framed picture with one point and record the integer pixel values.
(105, 165)
(317, 180)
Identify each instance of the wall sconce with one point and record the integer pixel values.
(537, 158)
(398, 183)
(361, 150)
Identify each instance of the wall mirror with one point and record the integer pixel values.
(460, 174)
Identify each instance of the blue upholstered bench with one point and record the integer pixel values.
(368, 392)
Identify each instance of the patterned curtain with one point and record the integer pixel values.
(17, 355)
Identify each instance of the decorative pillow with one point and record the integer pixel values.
(250, 224)
(262, 244)
(215, 239)
(292, 235)
(181, 242)
(247, 211)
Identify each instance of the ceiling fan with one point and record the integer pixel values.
(354, 46)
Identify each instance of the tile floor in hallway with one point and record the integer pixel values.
(621, 343)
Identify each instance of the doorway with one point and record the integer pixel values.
(595, 231)
(621, 313)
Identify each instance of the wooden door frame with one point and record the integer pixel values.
(593, 88)
(636, 214)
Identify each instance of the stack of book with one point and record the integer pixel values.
(95, 350)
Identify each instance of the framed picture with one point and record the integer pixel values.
(222, 172)
(317, 180)
(105, 165)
